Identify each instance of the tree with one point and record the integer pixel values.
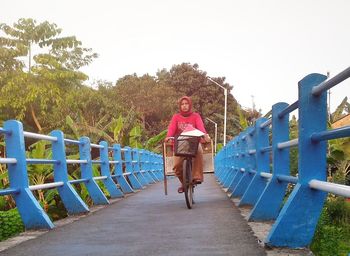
(208, 98)
(38, 85)
(149, 98)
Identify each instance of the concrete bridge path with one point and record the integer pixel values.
(150, 223)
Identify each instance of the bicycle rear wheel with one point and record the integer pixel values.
(187, 182)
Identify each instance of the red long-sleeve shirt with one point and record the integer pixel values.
(179, 122)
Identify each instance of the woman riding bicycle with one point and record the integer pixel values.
(178, 124)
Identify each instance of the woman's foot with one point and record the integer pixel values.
(180, 190)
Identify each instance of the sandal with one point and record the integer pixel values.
(180, 190)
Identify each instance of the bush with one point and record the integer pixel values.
(10, 224)
(332, 236)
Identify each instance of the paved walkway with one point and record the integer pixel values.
(150, 223)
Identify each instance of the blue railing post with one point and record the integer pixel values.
(33, 216)
(145, 162)
(230, 160)
(154, 167)
(222, 173)
(136, 167)
(157, 165)
(298, 218)
(105, 171)
(94, 190)
(70, 198)
(228, 163)
(118, 170)
(262, 163)
(237, 174)
(269, 203)
(129, 168)
(247, 176)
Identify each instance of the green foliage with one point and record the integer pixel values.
(72, 126)
(49, 75)
(135, 136)
(154, 144)
(332, 236)
(242, 120)
(10, 224)
(117, 130)
(344, 106)
(219, 147)
(294, 152)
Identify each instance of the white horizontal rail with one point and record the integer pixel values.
(267, 123)
(8, 160)
(266, 175)
(100, 178)
(46, 186)
(252, 151)
(288, 144)
(337, 189)
(96, 146)
(39, 136)
(71, 161)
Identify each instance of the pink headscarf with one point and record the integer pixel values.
(188, 99)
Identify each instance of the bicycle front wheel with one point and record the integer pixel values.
(187, 182)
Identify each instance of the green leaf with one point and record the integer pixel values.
(152, 142)
(135, 136)
(71, 124)
(118, 128)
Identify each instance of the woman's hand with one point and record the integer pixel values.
(168, 139)
(207, 138)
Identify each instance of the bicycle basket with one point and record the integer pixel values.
(186, 146)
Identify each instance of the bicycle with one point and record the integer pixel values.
(187, 147)
(188, 150)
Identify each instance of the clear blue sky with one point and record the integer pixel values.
(263, 48)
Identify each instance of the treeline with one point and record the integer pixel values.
(41, 85)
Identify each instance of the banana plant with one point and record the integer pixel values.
(339, 160)
(154, 144)
(41, 173)
(135, 137)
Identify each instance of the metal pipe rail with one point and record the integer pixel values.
(265, 124)
(265, 191)
(78, 181)
(2, 130)
(72, 161)
(46, 186)
(100, 178)
(337, 189)
(39, 136)
(8, 160)
(266, 149)
(114, 181)
(331, 134)
(266, 175)
(287, 178)
(96, 146)
(288, 109)
(326, 85)
(69, 141)
(42, 161)
(288, 144)
(8, 191)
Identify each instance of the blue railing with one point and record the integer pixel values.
(243, 166)
(133, 170)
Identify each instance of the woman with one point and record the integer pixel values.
(178, 124)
